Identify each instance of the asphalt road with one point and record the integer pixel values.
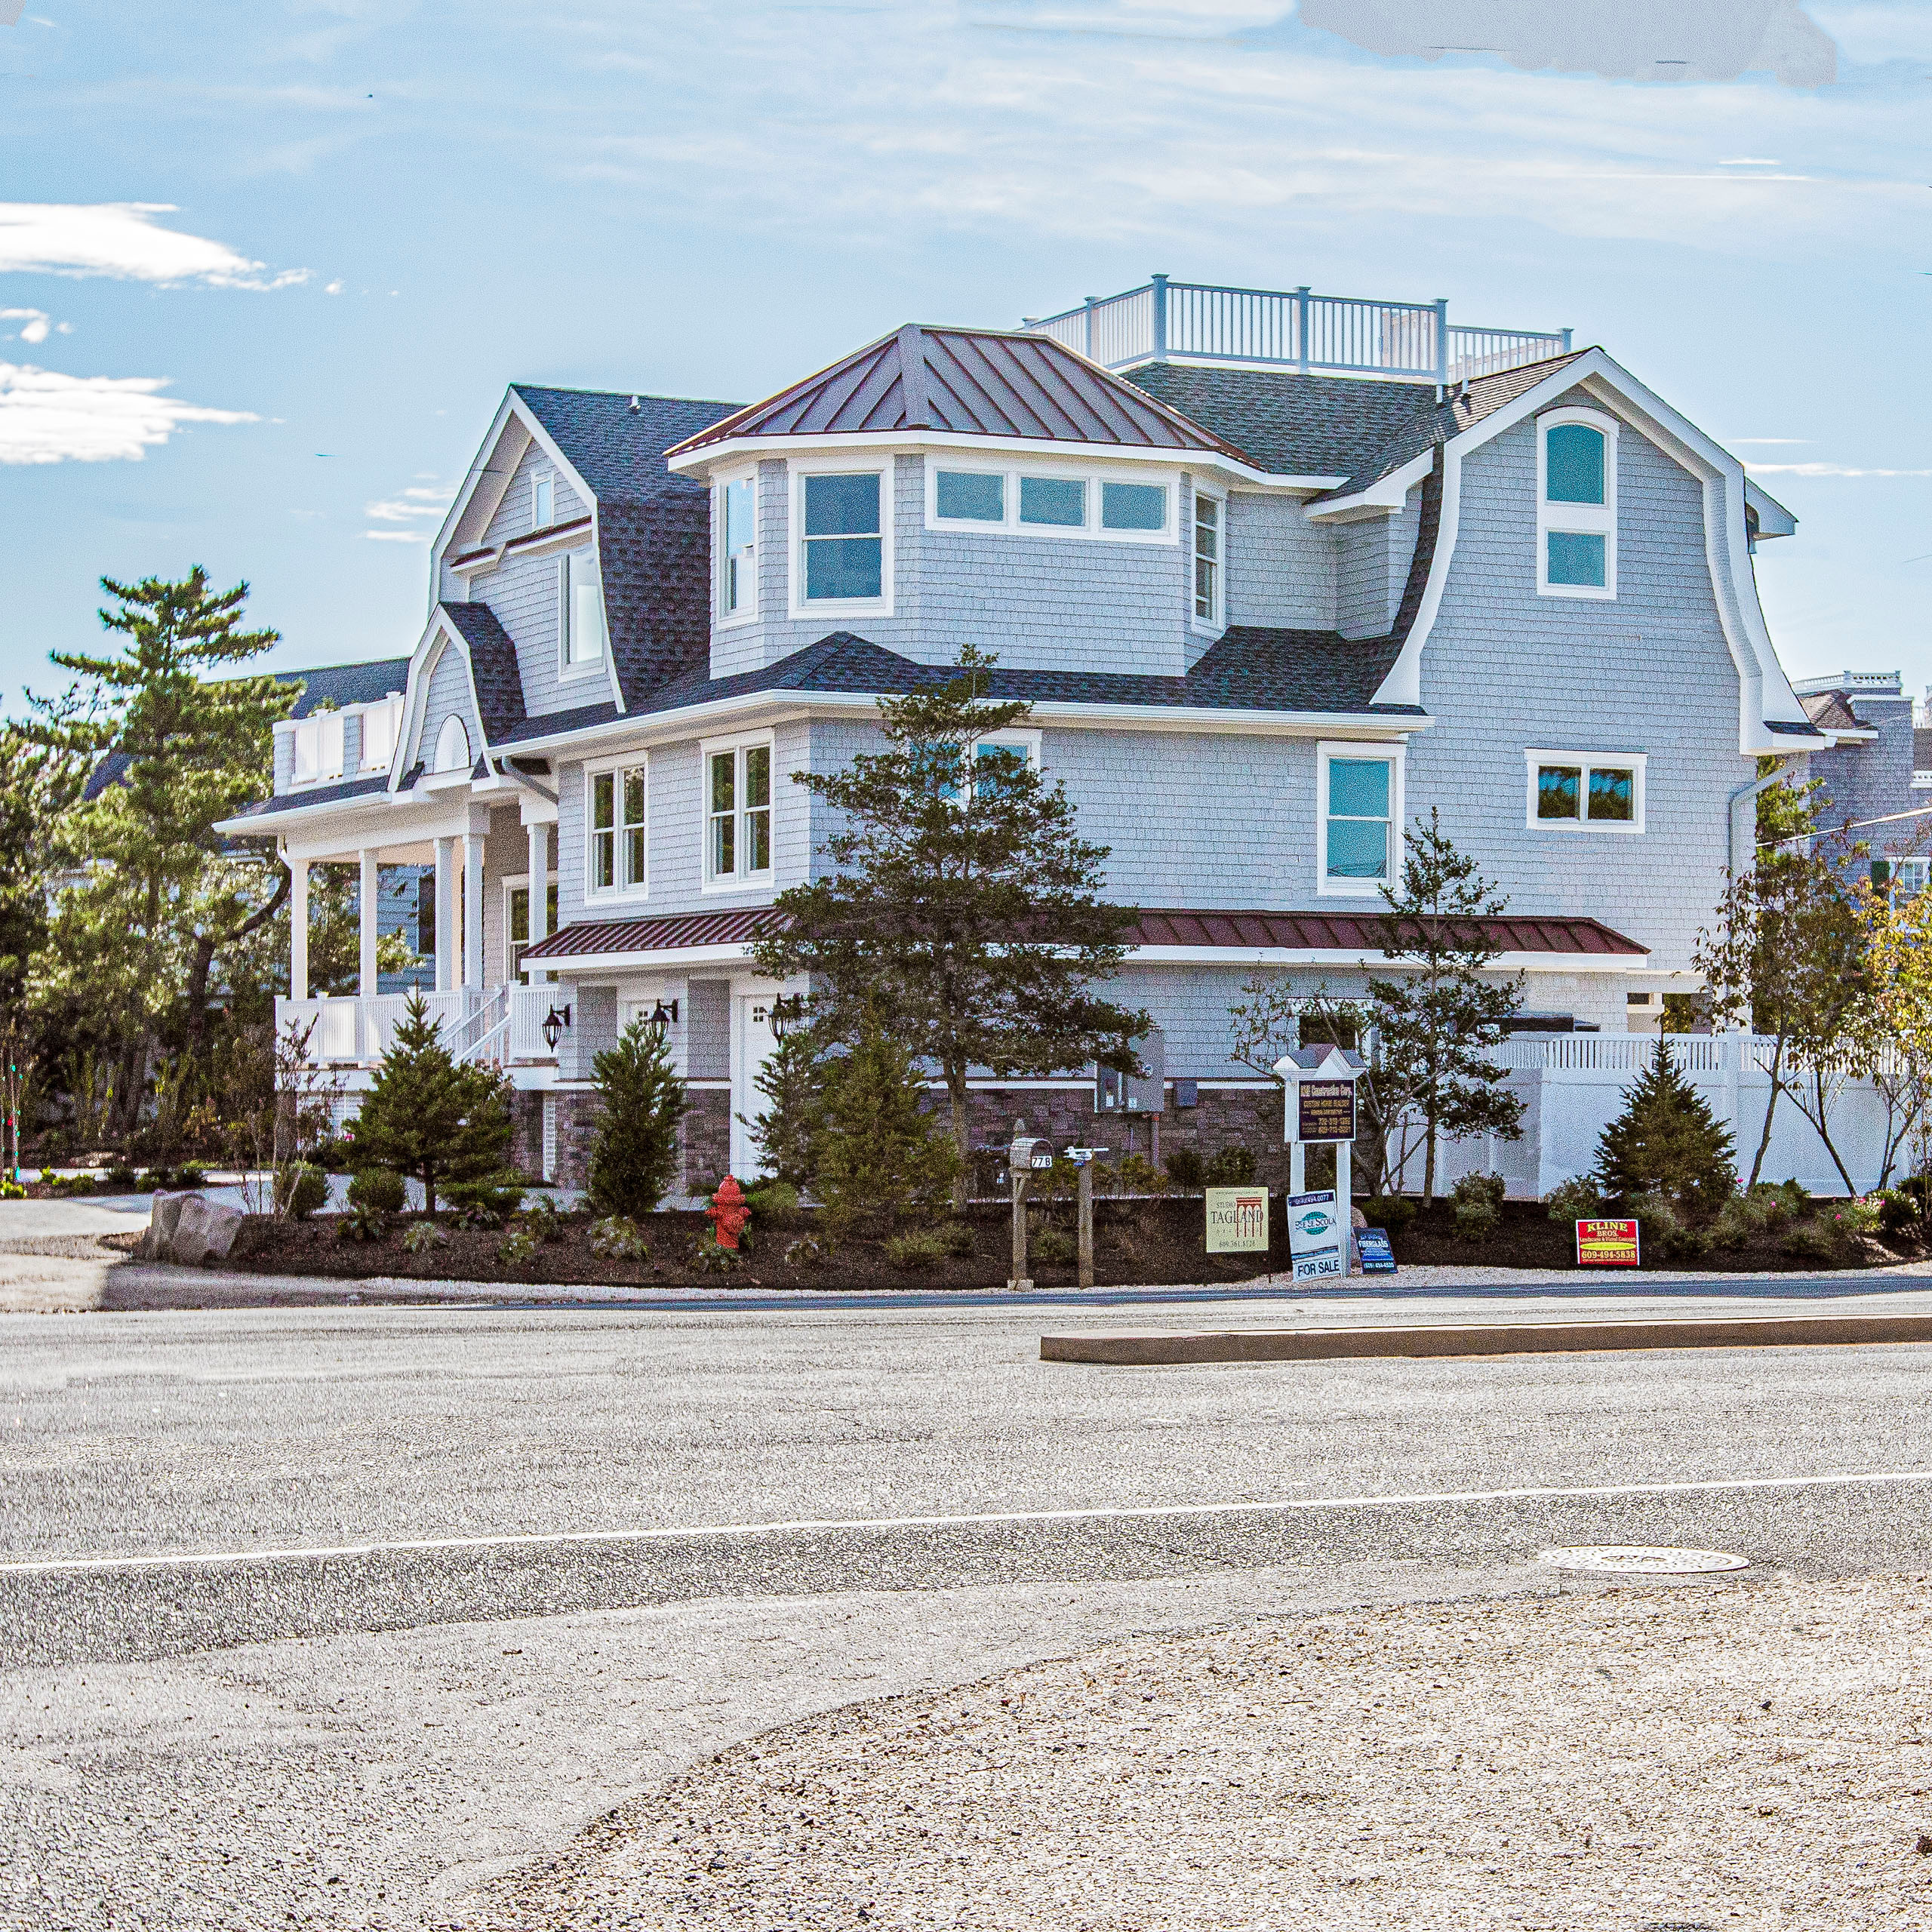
(231, 1693)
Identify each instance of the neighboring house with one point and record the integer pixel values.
(1278, 573)
(328, 728)
(1877, 778)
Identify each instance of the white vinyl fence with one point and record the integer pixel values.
(1572, 1086)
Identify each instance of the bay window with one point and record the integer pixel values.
(842, 543)
(1206, 558)
(737, 588)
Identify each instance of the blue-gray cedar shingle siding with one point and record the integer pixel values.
(1280, 567)
(448, 693)
(1872, 780)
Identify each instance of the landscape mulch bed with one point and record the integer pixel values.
(1138, 1243)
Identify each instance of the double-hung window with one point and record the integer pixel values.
(1577, 504)
(1585, 791)
(996, 759)
(582, 617)
(618, 839)
(841, 544)
(737, 530)
(1207, 516)
(737, 813)
(517, 919)
(1359, 834)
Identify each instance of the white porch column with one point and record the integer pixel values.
(298, 929)
(539, 890)
(472, 911)
(446, 914)
(367, 914)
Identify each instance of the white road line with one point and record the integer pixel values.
(674, 1533)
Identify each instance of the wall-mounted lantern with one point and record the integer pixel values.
(555, 1025)
(663, 1018)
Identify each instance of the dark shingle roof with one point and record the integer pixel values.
(1249, 669)
(1294, 424)
(492, 663)
(968, 382)
(330, 685)
(619, 453)
(315, 794)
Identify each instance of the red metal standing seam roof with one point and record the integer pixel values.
(1296, 932)
(968, 382)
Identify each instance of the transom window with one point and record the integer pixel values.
(844, 538)
(1045, 503)
(737, 812)
(1577, 504)
(618, 839)
(1207, 557)
(1360, 788)
(1585, 791)
(737, 589)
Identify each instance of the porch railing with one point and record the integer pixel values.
(496, 1025)
(1292, 328)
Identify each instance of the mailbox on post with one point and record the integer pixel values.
(1025, 1154)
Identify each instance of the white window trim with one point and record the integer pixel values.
(1581, 519)
(513, 882)
(740, 881)
(567, 673)
(1326, 751)
(1214, 626)
(747, 613)
(1016, 740)
(855, 464)
(542, 473)
(1090, 531)
(610, 895)
(1633, 762)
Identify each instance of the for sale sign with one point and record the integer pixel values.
(1606, 1244)
(1236, 1221)
(1315, 1232)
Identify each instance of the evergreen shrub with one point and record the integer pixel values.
(881, 1155)
(1056, 1247)
(1184, 1166)
(1231, 1167)
(1391, 1213)
(1667, 1142)
(381, 1190)
(1579, 1199)
(635, 1158)
(917, 1251)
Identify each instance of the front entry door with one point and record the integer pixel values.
(751, 1045)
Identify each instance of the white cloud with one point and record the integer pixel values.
(418, 504)
(46, 417)
(122, 239)
(36, 324)
(1825, 469)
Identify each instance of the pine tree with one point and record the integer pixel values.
(793, 1083)
(447, 1124)
(881, 1152)
(635, 1157)
(1667, 1141)
(965, 907)
(1439, 1024)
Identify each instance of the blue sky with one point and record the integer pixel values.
(265, 270)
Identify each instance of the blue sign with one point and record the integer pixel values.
(1377, 1256)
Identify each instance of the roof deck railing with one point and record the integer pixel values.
(1292, 329)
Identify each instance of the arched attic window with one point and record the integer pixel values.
(453, 745)
(1577, 504)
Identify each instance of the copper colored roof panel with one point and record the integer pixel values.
(598, 938)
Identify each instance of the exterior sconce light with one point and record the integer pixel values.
(663, 1018)
(554, 1024)
(787, 1011)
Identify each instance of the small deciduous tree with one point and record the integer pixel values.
(881, 1153)
(965, 911)
(444, 1121)
(635, 1157)
(1667, 1142)
(1439, 1024)
(1889, 1029)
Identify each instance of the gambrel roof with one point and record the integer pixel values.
(967, 381)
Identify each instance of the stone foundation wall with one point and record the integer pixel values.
(578, 1113)
(527, 1132)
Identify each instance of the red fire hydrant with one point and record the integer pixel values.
(728, 1213)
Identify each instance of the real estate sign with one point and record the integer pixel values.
(1325, 1112)
(1236, 1221)
(1606, 1244)
(1377, 1256)
(1316, 1231)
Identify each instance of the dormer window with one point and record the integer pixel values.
(1577, 504)
(737, 522)
(841, 543)
(582, 618)
(543, 501)
(1206, 559)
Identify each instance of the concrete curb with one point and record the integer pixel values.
(1520, 1338)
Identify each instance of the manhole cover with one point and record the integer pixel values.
(1642, 1559)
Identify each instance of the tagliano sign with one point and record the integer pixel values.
(1606, 1244)
(1236, 1221)
(1325, 1111)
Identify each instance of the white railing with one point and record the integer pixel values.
(495, 1025)
(1292, 329)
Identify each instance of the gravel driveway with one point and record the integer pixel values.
(1663, 1759)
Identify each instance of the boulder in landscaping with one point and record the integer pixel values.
(162, 1222)
(205, 1231)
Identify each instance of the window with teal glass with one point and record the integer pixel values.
(1578, 557)
(1134, 506)
(844, 544)
(1356, 837)
(1559, 791)
(969, 496)
(1057, 500)
(1583, 792)
(1573, 464)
